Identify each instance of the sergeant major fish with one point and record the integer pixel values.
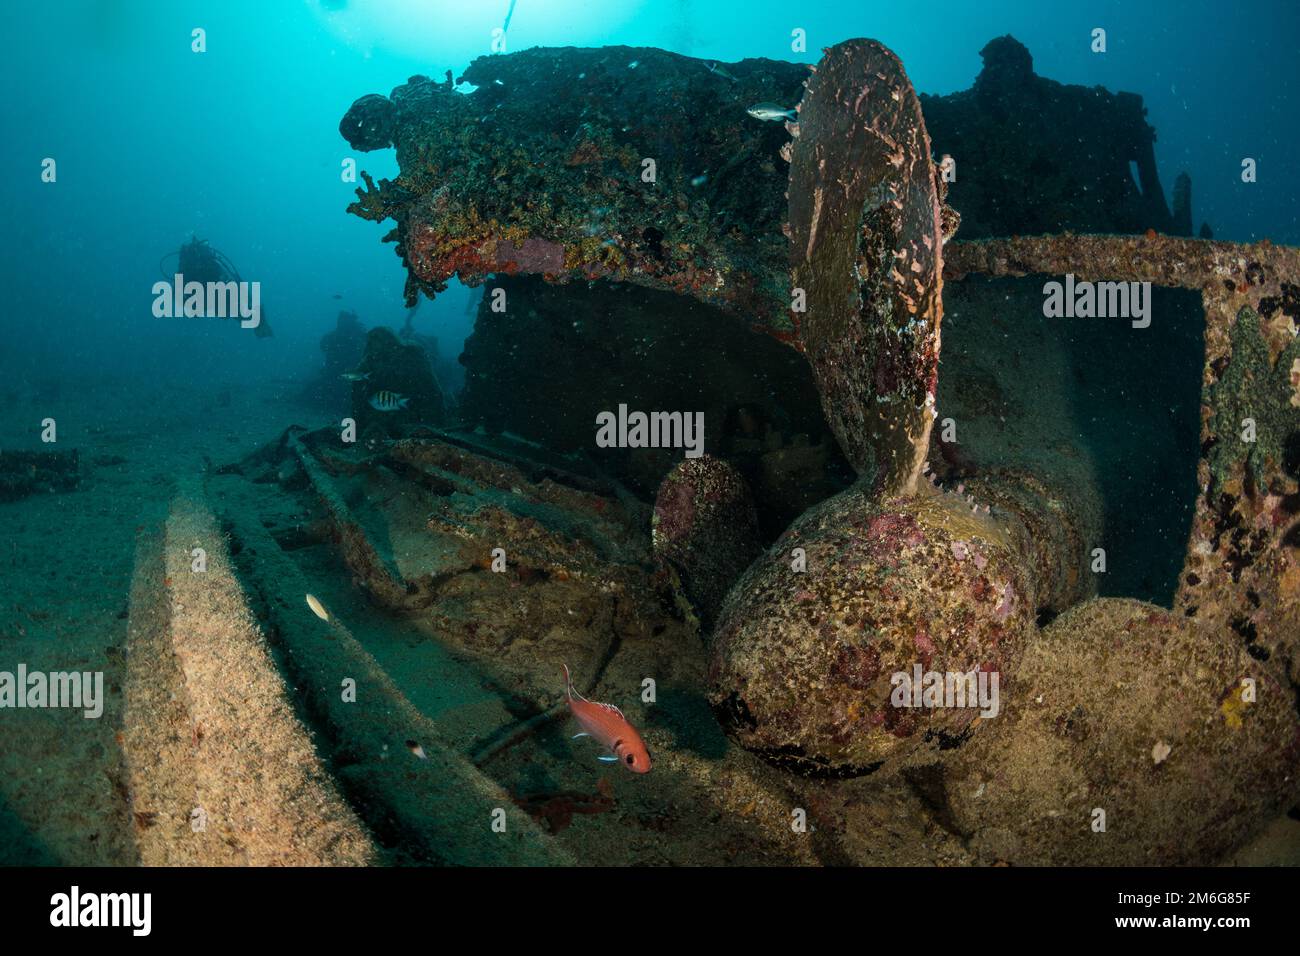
(770, 111)
(606, 724)
(386, 401)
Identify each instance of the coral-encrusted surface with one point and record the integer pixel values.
(705, 530)
(802, 661)
(368, 123)
(1124, 707)
(541, 169)
(1255, 393)
(865, 245)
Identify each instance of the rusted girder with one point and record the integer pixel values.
(1242, 569)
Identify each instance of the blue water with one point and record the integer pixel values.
(239, 144)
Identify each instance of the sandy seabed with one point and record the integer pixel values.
(93, 581)
(77, 567)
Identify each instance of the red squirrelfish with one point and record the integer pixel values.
(606, 724)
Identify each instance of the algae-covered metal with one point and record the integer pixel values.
(866, 245)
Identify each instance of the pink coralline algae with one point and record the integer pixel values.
(1008, 603)
(533, 255)
(924, 646)
(895, 531)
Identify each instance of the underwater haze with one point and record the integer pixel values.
(548, 432)
(239, 145)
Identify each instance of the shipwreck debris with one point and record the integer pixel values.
(705, 531)
(1028, 791)
(369, 123)
(391, 366)
(24, 473)
(565, 164)
(866, 242)
(1022, 171)
(897, 571)
(1242, 569)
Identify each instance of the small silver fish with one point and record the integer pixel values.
(717, 70)
(386, 401)
(317, 608)
(634, 64)
(770, 111)
(355, 376)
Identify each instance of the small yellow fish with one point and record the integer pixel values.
(317, 608)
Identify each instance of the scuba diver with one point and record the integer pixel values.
(198, 261)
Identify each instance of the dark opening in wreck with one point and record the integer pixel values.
(560, 355)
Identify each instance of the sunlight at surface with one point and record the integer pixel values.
(444, 30)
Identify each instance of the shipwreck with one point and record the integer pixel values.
(894, 477)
